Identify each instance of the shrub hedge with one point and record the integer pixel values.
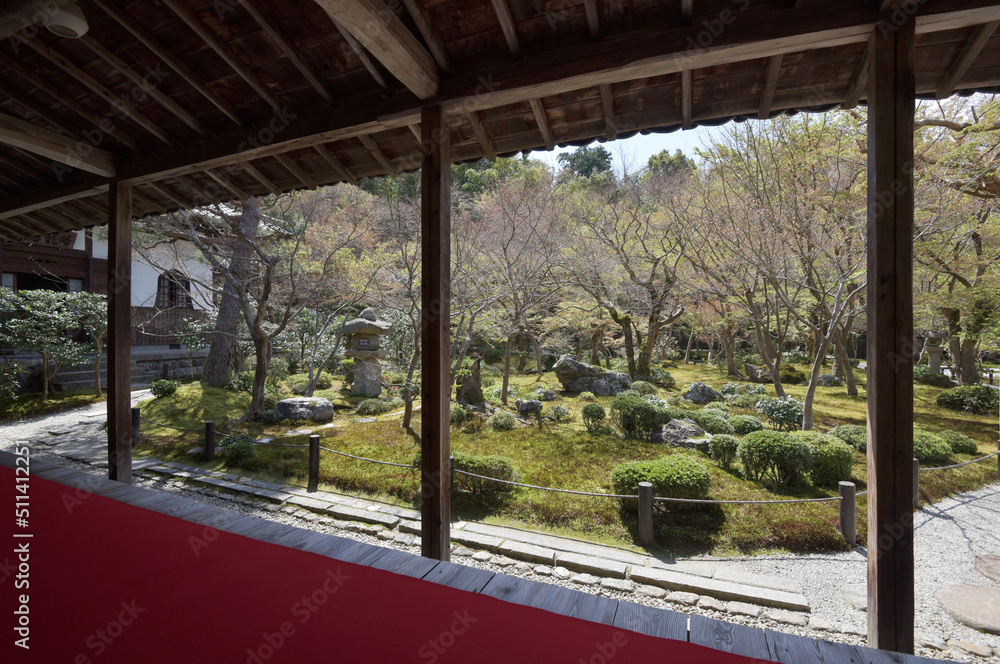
(673, 476)
(775, 456)
(959, 442)
(744, 424)
(832, 458)
(929, 449)
(722, 449)
(978, 399)
(854, 435)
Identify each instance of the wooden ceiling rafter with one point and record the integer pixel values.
(380, 156)
(56, 215)
(36, 110)
(480, 133)
(383, 34)
(770, 86)
(228, 184)
(297, 171)
(40, 141)
(168, 193)
(593, 18)
(29, 228)
(16, 162)
(215, 43)
(117, 104)
(426, 28)
(199, 192)
(686, 101)
(148, 201)
(94, 208)
(255, 173)
(857, 89)
(542, 120)
(335, 163)
(362, 55)
(508, 27)
(95, 120)
(147, 39)
(980, 37)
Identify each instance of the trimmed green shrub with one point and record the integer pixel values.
(369, 407)
(502, 421)
(722, 449)
(744, 424)
(775, 456)
(497, 467)
(784, 413)
(832, 457)
(347, 369)
(241, 382)
(922, 374)
(271, 417)
(474, 422)
(644, 388)
(629, 393)
(674, 476)
(236, 447)
(163, 388)
(492, 394)
(728, 389)
(854, 435)
(712, 421)
(790, 375)
(593, 417)
(545, 394)
(299, 382)
(636, 417)
(743, 400)
(662, 378)
(978, 399)
(720, 406)
(959, 442)
(457, 414)
(929, 449)
(587, 396)
(561, 413)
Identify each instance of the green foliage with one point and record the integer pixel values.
(959, 442)
(743, 400)
(497, 467)
(643, 388)
(369, 407)
(791, 376)
(636, 417)
(929, 449)
(775, 456)
(10, 374)
(474, 422)
(629, 393)
(712, 421)
(236, 447)
(978, 399)
(744, 424)
(587, 396)
(720, 406)
(854, 435)
(832, 457)
(544, 394)
(347, 369)
(922, 374)
(492, 394)
(662, 378)
(673, 476)
(300, 382)
(241, 382)
(561, 413)
(163, 388)
(586, 161)
(271, 417)
(677, 164)
(456, 414)
(783, 413)
(722, 449)
(502, 421)
(593, 417)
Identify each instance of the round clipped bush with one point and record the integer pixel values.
(662, 378)
(720, 406)
(240, 382)
(784, 413)
(722, 449)
(959, 442)
(456, 414)
(502, 421)
(775, 456)
(474, 422)
(561, 413)
(929, 449)
(712, 421)
(832, 457)
(636, 417)
(271, 416)
(744, 424)
(978, 399)
(587, 396)
(728, 389)
(593, 417)
(922, 374)
(629, 393)
(743, 400)
(545, 394)
(236, 447)
(854, 435)
(371, 407)
(674, 476)
(163, 388)
(497, 467)
(644, 388)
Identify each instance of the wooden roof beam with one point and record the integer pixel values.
(538, 110)
(25, 227)
(168, 193)
(608, 109)
(970, 52)
(857, 89)
(593, 18)
(146, 201)
(335, 163)
(687, 11)
(174, 62)
(269, 26)
(37, 140)
(686, 85)
(380, 156)
(227, 183)
(430, 35)
(98, 88)
(373, 24)
(253, 172)
(362, 54)
(198, 191)
(770, 85)
(508, 27)
(223, 51)
(297, 171)
(35, 108)
(16, 15)
(480, 131)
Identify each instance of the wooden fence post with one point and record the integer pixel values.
(209, 441)
(916, 483)
(313, 461)
(135, 427)
(848, 512)
(645, 513)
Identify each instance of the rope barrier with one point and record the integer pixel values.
(384, 463)
(964, 463)
(744, 502)
(543, 488)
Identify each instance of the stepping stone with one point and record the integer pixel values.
(977, 607)
(820, 624)
(989, 566)
(652, 591)
(586, 579)
(787, 618)
(621, 585)
(461, 551)
(681, 597)
(482, 556)
(743, 609)
(364, 420)
(927, 640)
(561, 573)
(856, 595)
(971, 648)
(711, 604)
(543, 570)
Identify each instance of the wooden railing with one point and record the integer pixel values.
(157, 326)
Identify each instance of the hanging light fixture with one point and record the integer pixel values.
(67, 20)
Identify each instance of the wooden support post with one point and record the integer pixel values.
(916, 483)
(313, 462)
(645, 513)
(209, 441)
(135, 427)
(891, 88)
(435, 442)
(848, 512)
(119, 332)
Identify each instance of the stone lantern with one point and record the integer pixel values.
(362, 340)
(934, 353)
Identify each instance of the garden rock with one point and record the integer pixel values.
(528, 408)
(756, 374)
(470, 392)
(306, 408)
(989, 566)
(829, 380)
(682, 433)
(700, 393)
(579, 377)
(975, 606)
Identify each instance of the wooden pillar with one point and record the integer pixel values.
(435, 443)
(119, 333)
(890, 336)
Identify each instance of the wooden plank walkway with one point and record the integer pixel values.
(662, 623)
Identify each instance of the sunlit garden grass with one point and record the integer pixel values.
(27, 406)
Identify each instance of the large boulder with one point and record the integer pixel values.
(579, 377)
(700, 393)
(306, 408)
(528, 408)
(681, 433)
(367, 377)
(756, 374)
(829, 380)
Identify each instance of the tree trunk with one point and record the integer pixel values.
(220, 351)
(687, 351)
(711, 347)
(728, 338)
(824, 346)
(522, 347)
(644, 367)
(97, 369)
(607, 356)
(840, 355)
(595, 353)
(539, 364)
(625, 323)
(262, 348)
(464, 348)
(408, 390)
(506, 369)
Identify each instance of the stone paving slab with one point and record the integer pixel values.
(975, 606)
(528, 552)
(476, 540)
(401, 512)
(413, 527)
(368, 516)
(725, 590)
(591, 564)
(706, 570)
(558, 543)
(311, 503)
(761, 581)
(989, 566)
